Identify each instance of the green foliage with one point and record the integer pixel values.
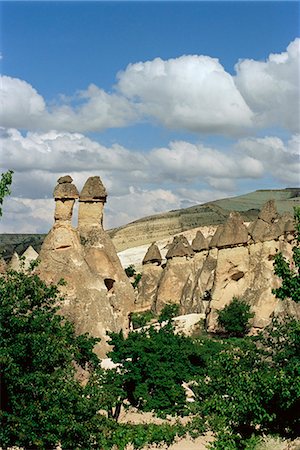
(169, 311)
(137, 279)
(141, 319)
(234, 318)
(130, 271)
(5, 182)
(289, 273)
(154, 363)
(252, 386)
(42, 404)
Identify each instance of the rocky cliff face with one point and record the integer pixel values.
(236, 261)
(98, 295)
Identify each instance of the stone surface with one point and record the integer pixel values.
(199, 243)
(98, 296)
(268, 212)
(93, 190)
(29, 256)
(231, 233)
(153, 255)
(14, 263)
(147, 287)
(180, 247)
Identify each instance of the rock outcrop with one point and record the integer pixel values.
(238, 263)
(98, 296)
(153, 255)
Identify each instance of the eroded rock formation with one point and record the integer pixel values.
(238, 263)
(98, 295)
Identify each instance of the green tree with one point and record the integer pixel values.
(42, 403)
(169, 311)
(289, 273)
(153, 365)
(234, 318)
(5, 182)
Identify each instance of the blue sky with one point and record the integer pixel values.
(171, 103)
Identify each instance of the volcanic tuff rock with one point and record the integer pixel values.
(236, 265)
(98, 296)
(153, 255)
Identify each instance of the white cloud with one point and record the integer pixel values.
(271, 87)
(20, 104)
(166, 178)
(278, 158)
(190, 92)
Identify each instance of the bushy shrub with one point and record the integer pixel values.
(234, 318)
(169, 311)
(141, 319)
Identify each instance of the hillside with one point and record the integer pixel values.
(160, 226)
(152, 228)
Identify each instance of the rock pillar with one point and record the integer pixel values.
(65, 194)
(91, 203)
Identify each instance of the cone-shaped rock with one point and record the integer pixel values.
(268, 212)
(153, 255)
(14, 263)
(180, 247)
(93, 190)
(30, 255)
(2, 265)
(233, 232)
(199, 243)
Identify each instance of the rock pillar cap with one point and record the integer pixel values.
(65, 189)
(93, 191)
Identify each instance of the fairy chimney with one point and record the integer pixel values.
(153, 255)
(199, 243)
(91, 202)
(65, 194)
(231, 233)
(180, 247)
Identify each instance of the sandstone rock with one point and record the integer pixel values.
(98, 296)
(268, 212)
(14, 263)
(3, 265)
(147, 287)
(29, 256)
(180, 247)
(153, 255)
(65, 194)
(231, 233)
(199, 243)
(93, 190)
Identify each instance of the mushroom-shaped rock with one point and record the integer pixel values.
(91, 201)
(65, 194)
(65, 189)
(93, 191)
(199, 243)
(180, 247)
(152, 255)
(268, 212)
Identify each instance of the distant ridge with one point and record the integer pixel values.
(163, 225)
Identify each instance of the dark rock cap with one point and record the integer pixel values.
(93, 190)
(65, 189)
(152, 255)
(65, 179)
(180, 247)
(199, 243)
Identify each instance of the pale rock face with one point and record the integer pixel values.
(236, 266)
(199, 243)
(14, 263)
(63, 210)
(152, 255)
(30, 255)
(98, 296)
(3, 266)
(90, 213)
(147, 287)
(232, 232)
